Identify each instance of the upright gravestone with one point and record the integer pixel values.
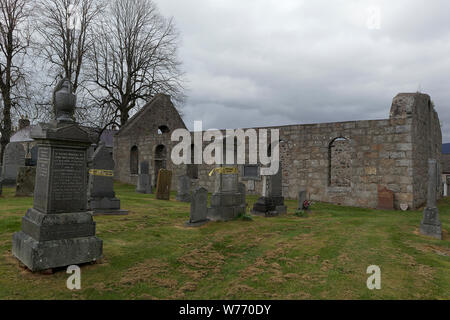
(144, 180)
(226, 201)
(301, 199)
(13, 159)
(26, 180)
(431, 225)
(385, 199)
(59, 230)
(199, 208)
(242, 193)
(184, 189)
(271, 203)
(102, 198)
(163, 184)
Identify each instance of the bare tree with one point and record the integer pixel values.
(133, 57)
(65, 31)
(14, 42)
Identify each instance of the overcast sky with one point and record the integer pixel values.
(256, 63)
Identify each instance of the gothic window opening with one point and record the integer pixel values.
(340, 170)
(134, 160)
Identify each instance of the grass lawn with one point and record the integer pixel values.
(149, 254)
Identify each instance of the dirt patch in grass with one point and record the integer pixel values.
(428, 248)
(203, 259)
(144, 271)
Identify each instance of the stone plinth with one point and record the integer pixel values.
(59, 230)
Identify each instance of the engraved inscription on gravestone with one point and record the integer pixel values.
(68, 181)
(42, 180)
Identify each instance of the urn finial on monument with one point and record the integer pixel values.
(64, 102)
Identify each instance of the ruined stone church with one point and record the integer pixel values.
(343, 163)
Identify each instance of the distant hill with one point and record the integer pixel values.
(446, 148)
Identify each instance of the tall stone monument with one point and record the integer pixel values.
(144, 184)
(102, 198)
(226, 201)
(430, 225)
(13, 159)
(59, 230)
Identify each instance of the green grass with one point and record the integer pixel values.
(149, 254)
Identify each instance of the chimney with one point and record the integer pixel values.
(23, 123)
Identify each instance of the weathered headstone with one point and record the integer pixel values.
(144, 179)
(26, 180)
(13, 159)
(301, 199)
(184, 189)
(102, 198)
(251, 185)
(431, 225)
(59, 230)
(242, 193)
(163, 184)
(199, 208)
(385, 199)
(271, 202)
(226, 201)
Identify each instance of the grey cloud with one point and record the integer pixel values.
(265, 62)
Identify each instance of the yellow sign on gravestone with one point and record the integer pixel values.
(101, 173)
(224, 170)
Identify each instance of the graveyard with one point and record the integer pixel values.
(150, 254)
(111, 190)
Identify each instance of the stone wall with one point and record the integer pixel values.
(148, 130)
(390, 153)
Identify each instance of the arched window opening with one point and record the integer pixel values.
(340, 169)
(134, 160)
(163, 129)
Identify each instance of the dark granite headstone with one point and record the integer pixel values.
(199, 208)
(102, 198)
(431, 225)
(13, 159)
(26, 180)
(144, 179)
(184, 189)
(385, 199)
(59, 230)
